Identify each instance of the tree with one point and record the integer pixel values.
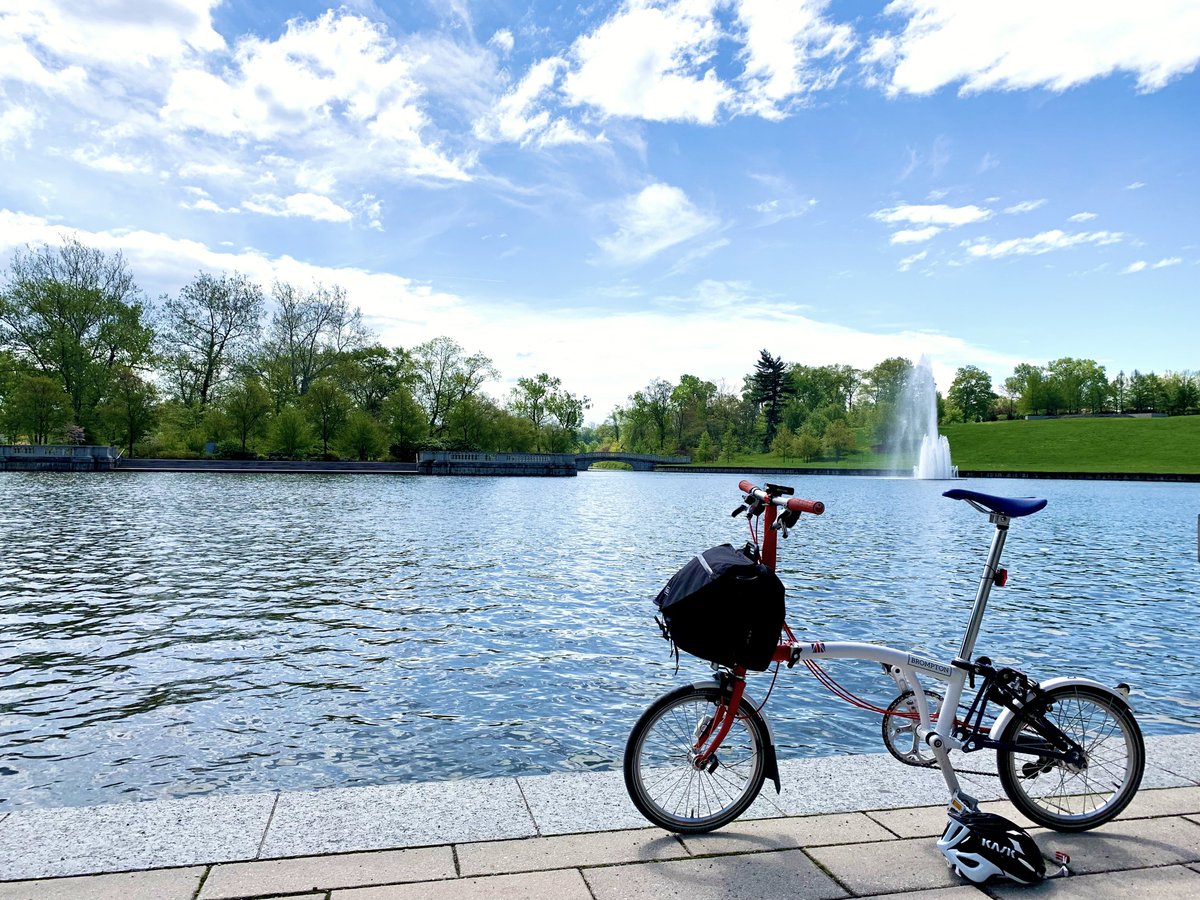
(290, 432)
(886, 380)
(246, 407)
(406, 423)
(971, 392)
(37, 408)
(648, 419)
(444, 376)
(362, 435)
(327, 406)
(769, 389)
(555, 415)
(729, 445)
(704, 449)
(308, 334)
(209, 326)
(840, 439)
(784, 445)
(806, 445)
(131, 408)
(371, 374)
(76, 314)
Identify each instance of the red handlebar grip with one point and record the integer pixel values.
(745, 486)
(816, 507)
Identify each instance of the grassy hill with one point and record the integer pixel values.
(1050, 445)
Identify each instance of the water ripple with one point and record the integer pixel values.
(173, 635)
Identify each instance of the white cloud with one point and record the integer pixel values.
(658, 217)
(1025, 206)
(521, 114)
(110, 162)
(336, 89)
(117, 34)
(652, 63)
(932, 214)
(1169, 261)
(1135, 185)
(1025, 43)
(915, 235)
(782, 43)
(502, 40)
(1134, 267)
(909, 261)
(1081, 217)
(303, 205)
(16, 126)
(1047, 241)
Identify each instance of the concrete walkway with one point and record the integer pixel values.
(842, 827)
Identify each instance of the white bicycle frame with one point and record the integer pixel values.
(904, 666)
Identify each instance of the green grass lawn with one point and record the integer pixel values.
(1052, 445)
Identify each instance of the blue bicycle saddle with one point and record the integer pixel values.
(1013, 507)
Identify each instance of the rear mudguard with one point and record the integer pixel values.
(750, 708)
(1050, 684)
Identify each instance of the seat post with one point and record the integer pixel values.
(985, 585)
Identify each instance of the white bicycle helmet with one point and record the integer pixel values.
(979, 846)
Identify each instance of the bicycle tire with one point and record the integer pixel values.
(661, 779)
(1104, 726)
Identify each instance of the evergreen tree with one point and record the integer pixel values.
(769, 388)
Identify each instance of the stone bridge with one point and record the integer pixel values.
(641, 462)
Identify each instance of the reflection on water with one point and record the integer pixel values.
(168, 635)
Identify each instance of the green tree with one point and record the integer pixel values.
(37, 408)
(371, 374)
(784, 445)
(769, 388)
(554, 414)
(807, 446)
(75, 314)
(884, 381)
(327, 406)
(362, 436)
(209, 327)
(246, 407)
(290, 432)
(840, 439)
(131, 408)
(971, 392)
(406, 423)
(308, 335)
(704, 449)
(444, 375)
(729, 445)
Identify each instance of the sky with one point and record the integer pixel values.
(613, 192)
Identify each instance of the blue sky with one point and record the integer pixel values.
(613, 192)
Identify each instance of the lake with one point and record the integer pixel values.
(171, 635)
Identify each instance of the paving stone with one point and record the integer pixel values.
(892, 866)
(563, 884)
(962, 892)
(320, 895)
(77, 841)
(164, 884)
(785, 875)
(1126, 844)
(1163, 802)
(1167, 883)
(865, 782)
(1177, 754)
(325, 872)
(786, 834)
(930, 821)
(396, 816)
(580, 801)
(561, 851)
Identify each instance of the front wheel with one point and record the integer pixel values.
(1068, 797)
(663, 777)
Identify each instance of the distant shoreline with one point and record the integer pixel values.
(301, 467)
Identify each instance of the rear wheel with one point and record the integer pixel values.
(1069, 797)
(666, 782)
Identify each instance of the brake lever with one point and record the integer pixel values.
(737, 512)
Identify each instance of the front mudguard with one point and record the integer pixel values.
(750, 708)
(1050, 684)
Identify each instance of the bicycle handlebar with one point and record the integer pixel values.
(795, 504)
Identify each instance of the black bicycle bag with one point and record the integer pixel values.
(724, 607)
